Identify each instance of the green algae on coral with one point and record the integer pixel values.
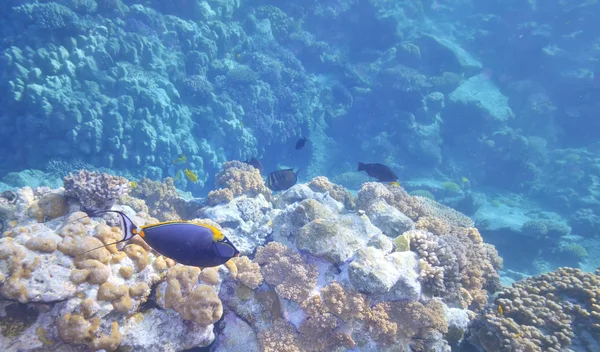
(402, 243)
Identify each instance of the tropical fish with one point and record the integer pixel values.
(281, 180)
(183, 241)
(301, 142)
(464, 179)
(256, 163)
(181, 160)
(500, 310)
(394, 183)
(381, 172)
(132, 184)
(9, 195)
(177, 175)
(190, 175)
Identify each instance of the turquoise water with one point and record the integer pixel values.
(486, 107)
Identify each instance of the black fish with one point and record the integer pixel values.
(381, 172)
(281, 180)
(256, 163)
(301, 142)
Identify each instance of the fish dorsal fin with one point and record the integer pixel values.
(217, 234)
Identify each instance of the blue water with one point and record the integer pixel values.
(492, 107)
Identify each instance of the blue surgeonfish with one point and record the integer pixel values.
(185, 242)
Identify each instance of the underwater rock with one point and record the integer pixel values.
(286, 223)
(458, 324)
(395, 275)
(480, 99)
(300, 192)
(244, 220)
(164, 330)
(453, 57)
(389, 219)
(237, 336)
(336, 239)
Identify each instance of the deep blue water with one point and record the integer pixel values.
(490, 106)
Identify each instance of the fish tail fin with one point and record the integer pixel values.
(297, 172)
(361, 166)
(128, 227)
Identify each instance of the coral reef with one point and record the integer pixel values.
(237, 178)
(95, 191)
(331, 280)
(549, 312)
(161, 198)
(94, 297)
(442, 91)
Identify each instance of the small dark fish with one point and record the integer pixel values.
(281, 180)
(381, 172)
(9, 195)
(256, 163)
(185, 242)
(301, 143)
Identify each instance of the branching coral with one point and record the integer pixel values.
(95, 191)
(338, 319)
(457, 265)
(281, 337)
(196, 87)
(237, 178)
(548, 312)
(286, 270)
(248, 273)
(160, 197)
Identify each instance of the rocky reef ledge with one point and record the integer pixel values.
(321, 270)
